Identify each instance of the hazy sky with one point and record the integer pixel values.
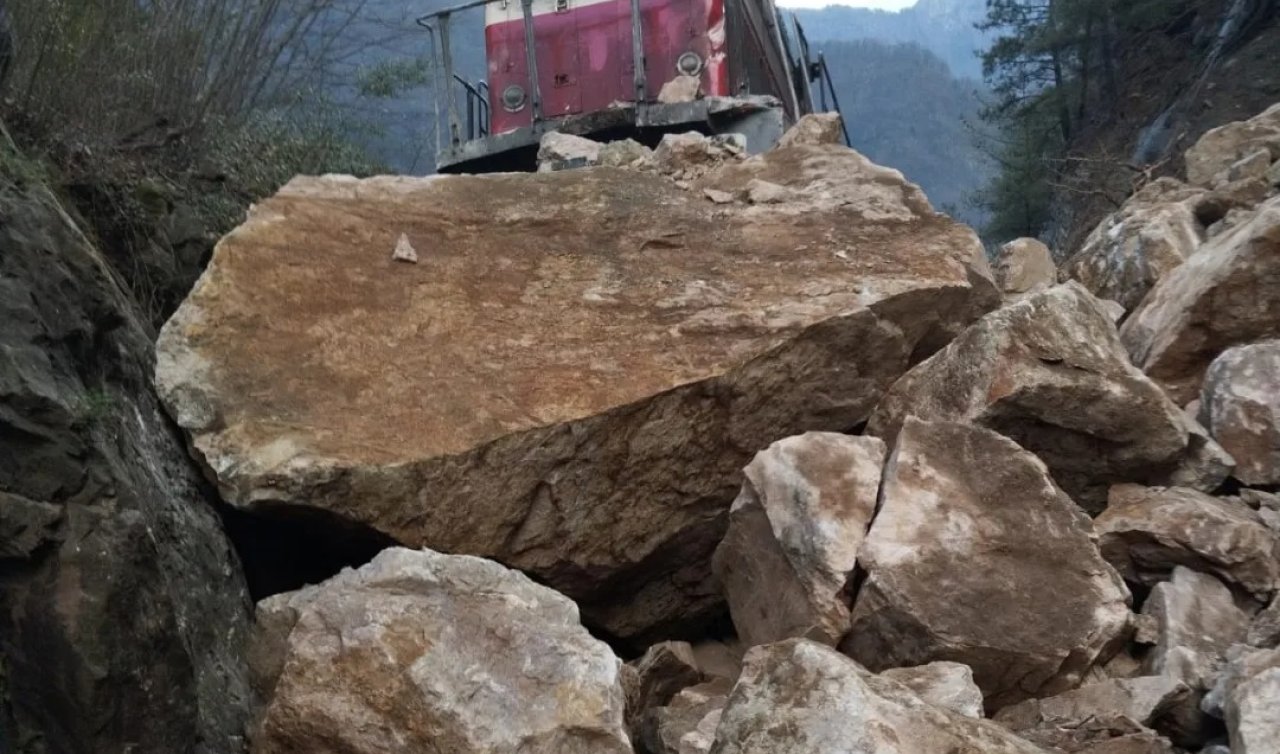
(885, 4)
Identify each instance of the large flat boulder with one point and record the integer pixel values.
(977, 557)
(418, 651)
(1050, 373)
(1240, 406)
(794, 532)
(574, 372)
(1221, 297)
(801, 697)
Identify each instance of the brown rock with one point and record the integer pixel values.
(1147, 531)
(572, 379)
(680, 89)
(947, 685)
(1216, 300)
(977, 557)
(801, 697)
(1249, 695)
(1240, 406)
(1221, 148)
(693, 154)
(1265, 629)
(1155, 231)
(687, 725)
(719, 659)
(794, 534)
(814, 129)
(557, 148)
(1024, 265)
(1107, 735)
(1050, 373)
(418, 651)
(1197, 622)
(1144, 700)
(651, 681)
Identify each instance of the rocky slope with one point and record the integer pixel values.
(765, 426)
(123, 610)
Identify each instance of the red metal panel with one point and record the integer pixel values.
(584, 52)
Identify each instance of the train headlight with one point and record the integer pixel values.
(689, 64)
(513, 98)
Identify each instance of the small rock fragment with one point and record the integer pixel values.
(404, 251)
(680, 89)
(948, 685)
(1024, 265)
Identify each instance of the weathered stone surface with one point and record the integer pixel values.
(1240, 406)
(1223, 147)
(691, 155)
(627, 153)
(1024, 265)
(1219, 298)
(1050, 373)
(1197, 621)
(801, 697)
(1155, 231)
(720, 659)
(794, 534)
(814, 129)
(1265, 629)
(418, 651)
(976, 556)
(1252, 706)
(680, 89)
(122, 605)
(1143, 700)
(1242, 662)
(651, 681)
(557, 149)
(687, 725)
(1205, 465)
(573, 375)
(1147, 531)
(1107, 735)
(948, 685)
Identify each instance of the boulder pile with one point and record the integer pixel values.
(777, 431)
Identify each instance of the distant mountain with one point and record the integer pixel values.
(906, 110)
(944, 27)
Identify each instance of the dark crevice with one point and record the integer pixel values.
(286, 547)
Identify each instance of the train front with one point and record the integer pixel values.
(569, 65)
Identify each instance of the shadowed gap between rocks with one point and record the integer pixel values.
(286, 547)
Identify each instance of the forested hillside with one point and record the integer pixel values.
(905, 109)
(947, 28)
(1094, 98)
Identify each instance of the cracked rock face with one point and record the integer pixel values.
(794, 534)
(418, 651)
(801, 697)
(1050, 373)
(1146, 532)
(1220, 297)
(977, 557)
(573, 374)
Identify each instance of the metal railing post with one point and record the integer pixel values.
(455, 124)
(637, 51)
(531, 60)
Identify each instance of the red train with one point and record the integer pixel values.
(570, 65)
